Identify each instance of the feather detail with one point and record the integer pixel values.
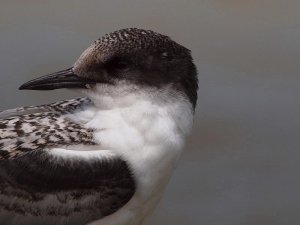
(33, 131)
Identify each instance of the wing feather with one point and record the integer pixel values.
(79, 189)
(22, 131)
(42, 188)
(62, 107)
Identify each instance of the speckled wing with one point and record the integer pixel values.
(38, 187)
(61, 107)
(32, 128)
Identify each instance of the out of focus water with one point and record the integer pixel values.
(241, 166)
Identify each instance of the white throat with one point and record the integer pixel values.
(129, 118)
(147, 127)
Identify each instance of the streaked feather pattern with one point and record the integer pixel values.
(23, 131)
(38, 187)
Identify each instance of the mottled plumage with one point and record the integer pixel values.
(32, 128)
(100, 186)
(61, 107)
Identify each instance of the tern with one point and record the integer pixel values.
(104, 159)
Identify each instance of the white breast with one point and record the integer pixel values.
(149, 133)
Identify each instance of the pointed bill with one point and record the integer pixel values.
(62, 79)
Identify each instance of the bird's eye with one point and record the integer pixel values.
(119, 63)
(166, 56)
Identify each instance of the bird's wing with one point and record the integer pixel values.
(19, 134)
(42, 188)
(58, 107)
(79, 188)
(37, 127)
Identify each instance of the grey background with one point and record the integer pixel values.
(242, 161)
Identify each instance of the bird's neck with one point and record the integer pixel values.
(123, 95)
(136, 102)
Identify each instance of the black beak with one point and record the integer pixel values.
(62, 79)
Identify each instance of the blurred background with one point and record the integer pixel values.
(241, 164)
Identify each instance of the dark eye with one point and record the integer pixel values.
(166, 56)
(119, 63)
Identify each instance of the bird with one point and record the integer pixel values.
(105, 158)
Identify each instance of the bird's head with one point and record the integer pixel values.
(131, 57)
